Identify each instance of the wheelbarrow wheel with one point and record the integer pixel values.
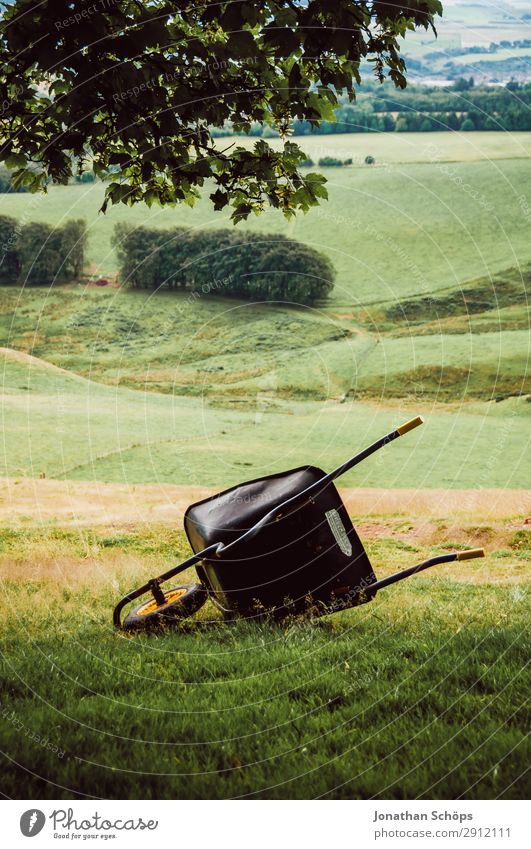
(179, 603)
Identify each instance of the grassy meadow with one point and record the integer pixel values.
(436, 210)
(420, 694)
(119, 406)
(62, 426)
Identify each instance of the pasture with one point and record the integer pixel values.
(436, 210)
(120, 407)
(420, 694)
(59, 425)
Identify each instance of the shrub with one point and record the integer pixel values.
(73, 243)
(38, 253)
(370, 160)
(261, 267)
(9, 260)
(85, 177)
(332, 162)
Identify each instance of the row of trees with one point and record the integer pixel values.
(460, 97)
(464, 106)
(258, 267)
(363, 119)
(514, 119)
(39, 254)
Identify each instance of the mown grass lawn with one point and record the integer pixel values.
(419, 694)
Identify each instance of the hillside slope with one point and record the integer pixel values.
(61, 426)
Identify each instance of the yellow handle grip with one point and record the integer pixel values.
(470, 555)
(412, 423)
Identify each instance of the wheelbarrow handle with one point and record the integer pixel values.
(316, 485)
(426, 564)
(380, 443)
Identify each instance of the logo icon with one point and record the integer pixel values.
(31, 822)
(338, 529)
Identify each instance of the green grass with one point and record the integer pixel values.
(448, 366)
(419, 694)
(62, 426)
(492, 58)
(237, 353)
(418, 221)
(466, 24)
(214, 378)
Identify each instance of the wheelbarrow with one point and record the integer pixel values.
(282, 544)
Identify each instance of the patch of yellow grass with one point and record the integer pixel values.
(29, 502)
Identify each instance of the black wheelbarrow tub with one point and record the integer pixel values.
(306, 553)
(281, 543)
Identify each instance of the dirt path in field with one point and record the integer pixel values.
(28, 502)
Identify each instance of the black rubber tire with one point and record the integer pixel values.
(182, 601)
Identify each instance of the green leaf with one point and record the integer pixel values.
(16, 160)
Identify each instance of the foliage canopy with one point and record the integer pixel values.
(136, 89)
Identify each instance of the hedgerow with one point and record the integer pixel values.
(258, 267)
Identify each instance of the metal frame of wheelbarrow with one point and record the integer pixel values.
(313, 547)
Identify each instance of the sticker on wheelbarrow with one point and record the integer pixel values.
(338, 529)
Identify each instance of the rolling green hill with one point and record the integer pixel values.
(469, 342)
(422, 692)
(417, 221)
(430, 314)
(63, 426)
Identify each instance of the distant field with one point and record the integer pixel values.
(470, 342)
(467, 24)
(492, 58)
(408, 148)
(419, 220)
(222, 374)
